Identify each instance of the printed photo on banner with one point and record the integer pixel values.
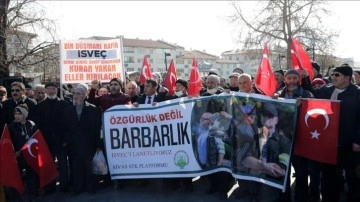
(263, 130)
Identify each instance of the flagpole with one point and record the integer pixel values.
(122, 60)
(60, 66)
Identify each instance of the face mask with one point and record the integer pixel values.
(212, 91)
(179, 93)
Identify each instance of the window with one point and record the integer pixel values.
(139, 60)
(130, 69)
(159, 51)
(237, 58)
(129, 59)
(230, 57)
(151, 61)
(186, 74)
(141, 50)
(128, 50)
(126, 65)
(186, 66)
(180, 61)
(149, 50)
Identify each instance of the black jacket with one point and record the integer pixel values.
(82, 136)
(21, 133)
(300, 92)
(158, 98)
(50, 121)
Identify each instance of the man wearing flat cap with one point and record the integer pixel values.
(181, 87)
(348, 136)
(50, 122)
(233, 82)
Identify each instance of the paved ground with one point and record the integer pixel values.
(135, 193)
(155, 192)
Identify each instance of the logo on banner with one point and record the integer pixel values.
(181, 159)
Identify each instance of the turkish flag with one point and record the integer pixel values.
(36, 153)
(265, 79)
(195, 83)
(170, 78)
(9, 170)
(145, 71)
(300, 59)
(317, 132)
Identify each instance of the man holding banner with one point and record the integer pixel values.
(293, 90)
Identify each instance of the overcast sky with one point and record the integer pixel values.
(195, 25)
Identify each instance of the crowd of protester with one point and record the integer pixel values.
(71, 126)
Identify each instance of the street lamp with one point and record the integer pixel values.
(166, 54)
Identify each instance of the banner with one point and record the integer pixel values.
(247, 135)
(82, 61)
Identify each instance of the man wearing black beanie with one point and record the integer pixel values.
(348, 138)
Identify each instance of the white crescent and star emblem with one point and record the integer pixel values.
(172, 76)
(30, 142)
(144, 71)
(322, 112)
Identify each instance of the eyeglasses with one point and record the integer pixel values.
(335, 74)
(15, 90)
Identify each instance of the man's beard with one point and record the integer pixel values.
(212, 91)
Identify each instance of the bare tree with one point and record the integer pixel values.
(24, 33)
(277, 21)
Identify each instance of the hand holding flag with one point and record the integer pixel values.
(9, 170)
(36, 153)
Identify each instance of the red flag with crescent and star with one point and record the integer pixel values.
(195, 83)
(9, 170)
(145, 71)
(36, 153)
(170, 78)
(265, 79)
(317, 131)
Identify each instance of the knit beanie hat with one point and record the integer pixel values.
(292, 71)
(81, 88)
(24, 109)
